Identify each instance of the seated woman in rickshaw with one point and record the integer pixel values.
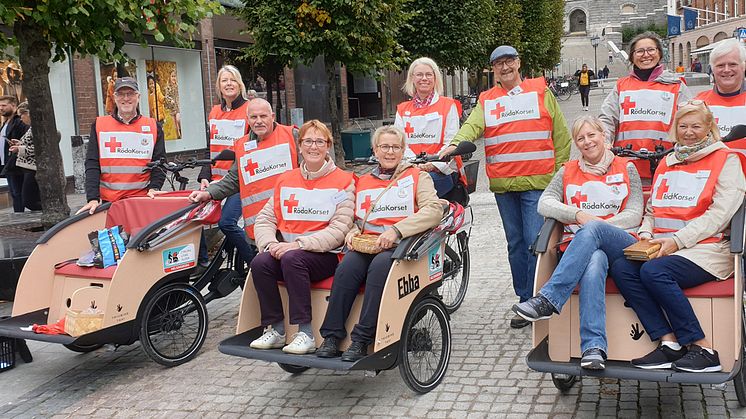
(409, 206)
(696, 191)
(312, 211)
(597, 197)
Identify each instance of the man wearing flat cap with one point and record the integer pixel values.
(526, 141)
(120, 147)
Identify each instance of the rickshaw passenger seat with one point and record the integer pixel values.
(136, 213)
(712, 289)
(73, 270)
(324, 284)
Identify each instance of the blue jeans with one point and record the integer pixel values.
(586, 261)
(522, 224)
(235, 235)
(655, 287)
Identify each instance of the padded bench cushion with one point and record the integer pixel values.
(712, 289)
(71, 269)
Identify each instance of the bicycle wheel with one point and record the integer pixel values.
(456, 265)
(425, 346)
(83, 349)
(174, 325)
(564, 93)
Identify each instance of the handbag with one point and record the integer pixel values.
(365, 242)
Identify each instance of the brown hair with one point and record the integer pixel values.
(318, 126)
(22, 108)
(8, 98)
(646, 35)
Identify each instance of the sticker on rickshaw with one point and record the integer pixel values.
(179, 258)
(435, 264)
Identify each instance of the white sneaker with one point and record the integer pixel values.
(301, 344)
(269, 340)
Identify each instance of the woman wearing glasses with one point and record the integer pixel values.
(640, 108)
(311, 212)
(408, 207)
(429, 121)
(696, 191)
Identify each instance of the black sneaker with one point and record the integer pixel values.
(698, 359)
(329, 348)
(661, 357)
(593, 359)
(518, 322)
(356, 351)
(535, 308)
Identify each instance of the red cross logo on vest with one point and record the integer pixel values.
(290, 203)
(628, 104)
(499, 109)
(578, 198)
(112, 144)
(251, 167)
(365, 206)
(213, 130)
(663, 188)
(408, 129)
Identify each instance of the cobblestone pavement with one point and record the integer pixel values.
(487, 376)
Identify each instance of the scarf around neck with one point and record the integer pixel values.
(600, 168)
(682, 152)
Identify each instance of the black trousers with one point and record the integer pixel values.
(584, 92)
(355, 270)
(24, 191)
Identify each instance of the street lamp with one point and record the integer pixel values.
(595, 41)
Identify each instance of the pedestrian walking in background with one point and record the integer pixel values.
(584, 77)
(12, 129)
(605, 72)
(680, 68)
(26, 162)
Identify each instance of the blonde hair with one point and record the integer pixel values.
(593, 121)
(408, 87)
(236, 75)
(387, 129)
(318, 126)
(688, 108)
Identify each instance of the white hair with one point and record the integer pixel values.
(408, 87)
(726, 47)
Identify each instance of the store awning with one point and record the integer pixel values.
(707, 48)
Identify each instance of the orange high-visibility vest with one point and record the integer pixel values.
(646, 111)
(259, 165)
(398, 203)
(124, 151)
(728, 111)
(304, 206)
(602, 196)
(518, 131)
(683, 192)
(424, 128)
(225, 128)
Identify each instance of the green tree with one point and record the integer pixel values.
(358, 34)
(540, 46)
(54, 29)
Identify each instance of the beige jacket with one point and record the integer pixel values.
(430, 210)
(714, 258)
(325, 240)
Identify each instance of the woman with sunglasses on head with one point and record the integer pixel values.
(409, 206)
(696, 191)
(312, 212)
(640, 108)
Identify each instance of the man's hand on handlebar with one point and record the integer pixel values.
(199, 196)
(90, 207)
(203, 184)
(447, 151)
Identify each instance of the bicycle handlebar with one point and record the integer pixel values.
(176, 166)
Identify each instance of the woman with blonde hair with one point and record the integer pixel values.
(696, 191)
(599, 199)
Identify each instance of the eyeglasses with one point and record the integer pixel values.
(390, 148)
(694, 102)
(642, 51)
(308, 142)
(504, 63)
(125, 94)
(421, 76)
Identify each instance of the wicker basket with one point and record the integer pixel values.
(78, 324)
(365, 243)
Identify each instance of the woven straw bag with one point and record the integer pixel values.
(365, 242)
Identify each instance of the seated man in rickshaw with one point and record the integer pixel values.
(312, 210)
(399, 201)
(597, 197)
(696, 191)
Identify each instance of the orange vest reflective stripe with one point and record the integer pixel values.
(304, 206)
(602, 196)
(728, 111)
(683, 192)
(518, 130)
(646, 111)
(399, 202)
(225, 128)
(424, 128)
(124, 151)
(259, 165)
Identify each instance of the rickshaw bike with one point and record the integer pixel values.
(719, 306)
(413, 330)
(147, 296)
